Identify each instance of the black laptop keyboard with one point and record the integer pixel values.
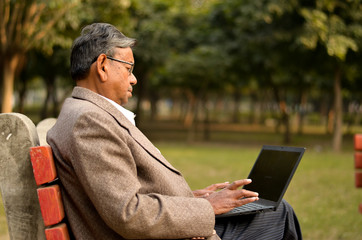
(248, 207)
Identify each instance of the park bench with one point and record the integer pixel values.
(358, 163)
(28, 180)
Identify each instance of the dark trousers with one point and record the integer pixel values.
(273, 225)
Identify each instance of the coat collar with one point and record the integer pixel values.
(136, 134)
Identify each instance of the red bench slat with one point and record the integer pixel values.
(358, 142)
(43, 164)
(358, 160)
(358, 176)
(58, 232)
(51, 205)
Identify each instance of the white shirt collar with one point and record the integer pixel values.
(127, 113)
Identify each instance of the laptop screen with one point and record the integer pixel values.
(273, 170)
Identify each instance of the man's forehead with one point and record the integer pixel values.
(124, 52)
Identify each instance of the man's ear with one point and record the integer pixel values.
(102, 67)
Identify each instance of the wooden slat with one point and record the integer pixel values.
(43, 164)
(51, 204)
(58, 232)
(358, 177)
(358, 160)
(358, 142)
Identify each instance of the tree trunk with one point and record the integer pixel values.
(50, 105)
(154, 109)
(284, 118)
(141, 92)
(55, 101)
(207, 131)
(22, 96)
(253, 108)
(190, 115)
(337, 134)
(49, 87)
(206, 109)
(302, 111)
(237, 97)
(9, 68)
(285, 122)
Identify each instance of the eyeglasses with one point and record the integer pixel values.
(121, 61)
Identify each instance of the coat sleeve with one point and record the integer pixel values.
(108, 172)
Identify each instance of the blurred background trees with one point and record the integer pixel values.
(26, 26)
(285, 63)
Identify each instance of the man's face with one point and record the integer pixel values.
(120, 80)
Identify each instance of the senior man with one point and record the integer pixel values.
(115, 183)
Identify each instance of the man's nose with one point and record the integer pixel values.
(133, 80)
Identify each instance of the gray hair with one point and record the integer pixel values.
(94, 40)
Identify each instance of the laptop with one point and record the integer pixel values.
(271, 174)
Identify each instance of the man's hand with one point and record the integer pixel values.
(210, 189)
(197, 238)
(230, 196)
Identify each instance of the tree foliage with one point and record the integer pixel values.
(26, 25)
(288, 53)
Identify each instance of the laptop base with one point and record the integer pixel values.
(250, 208)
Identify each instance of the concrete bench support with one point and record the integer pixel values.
(17, 184)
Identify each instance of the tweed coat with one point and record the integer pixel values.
(115, 183)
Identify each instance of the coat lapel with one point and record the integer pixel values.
(137, 135)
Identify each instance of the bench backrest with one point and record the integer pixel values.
(50, 200)
(31, 198)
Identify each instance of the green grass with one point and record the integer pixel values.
(322, 191)
(3, 225)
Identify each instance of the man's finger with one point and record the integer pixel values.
(242, 193)
(236, 184)
(247, 200)
(217, 186)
